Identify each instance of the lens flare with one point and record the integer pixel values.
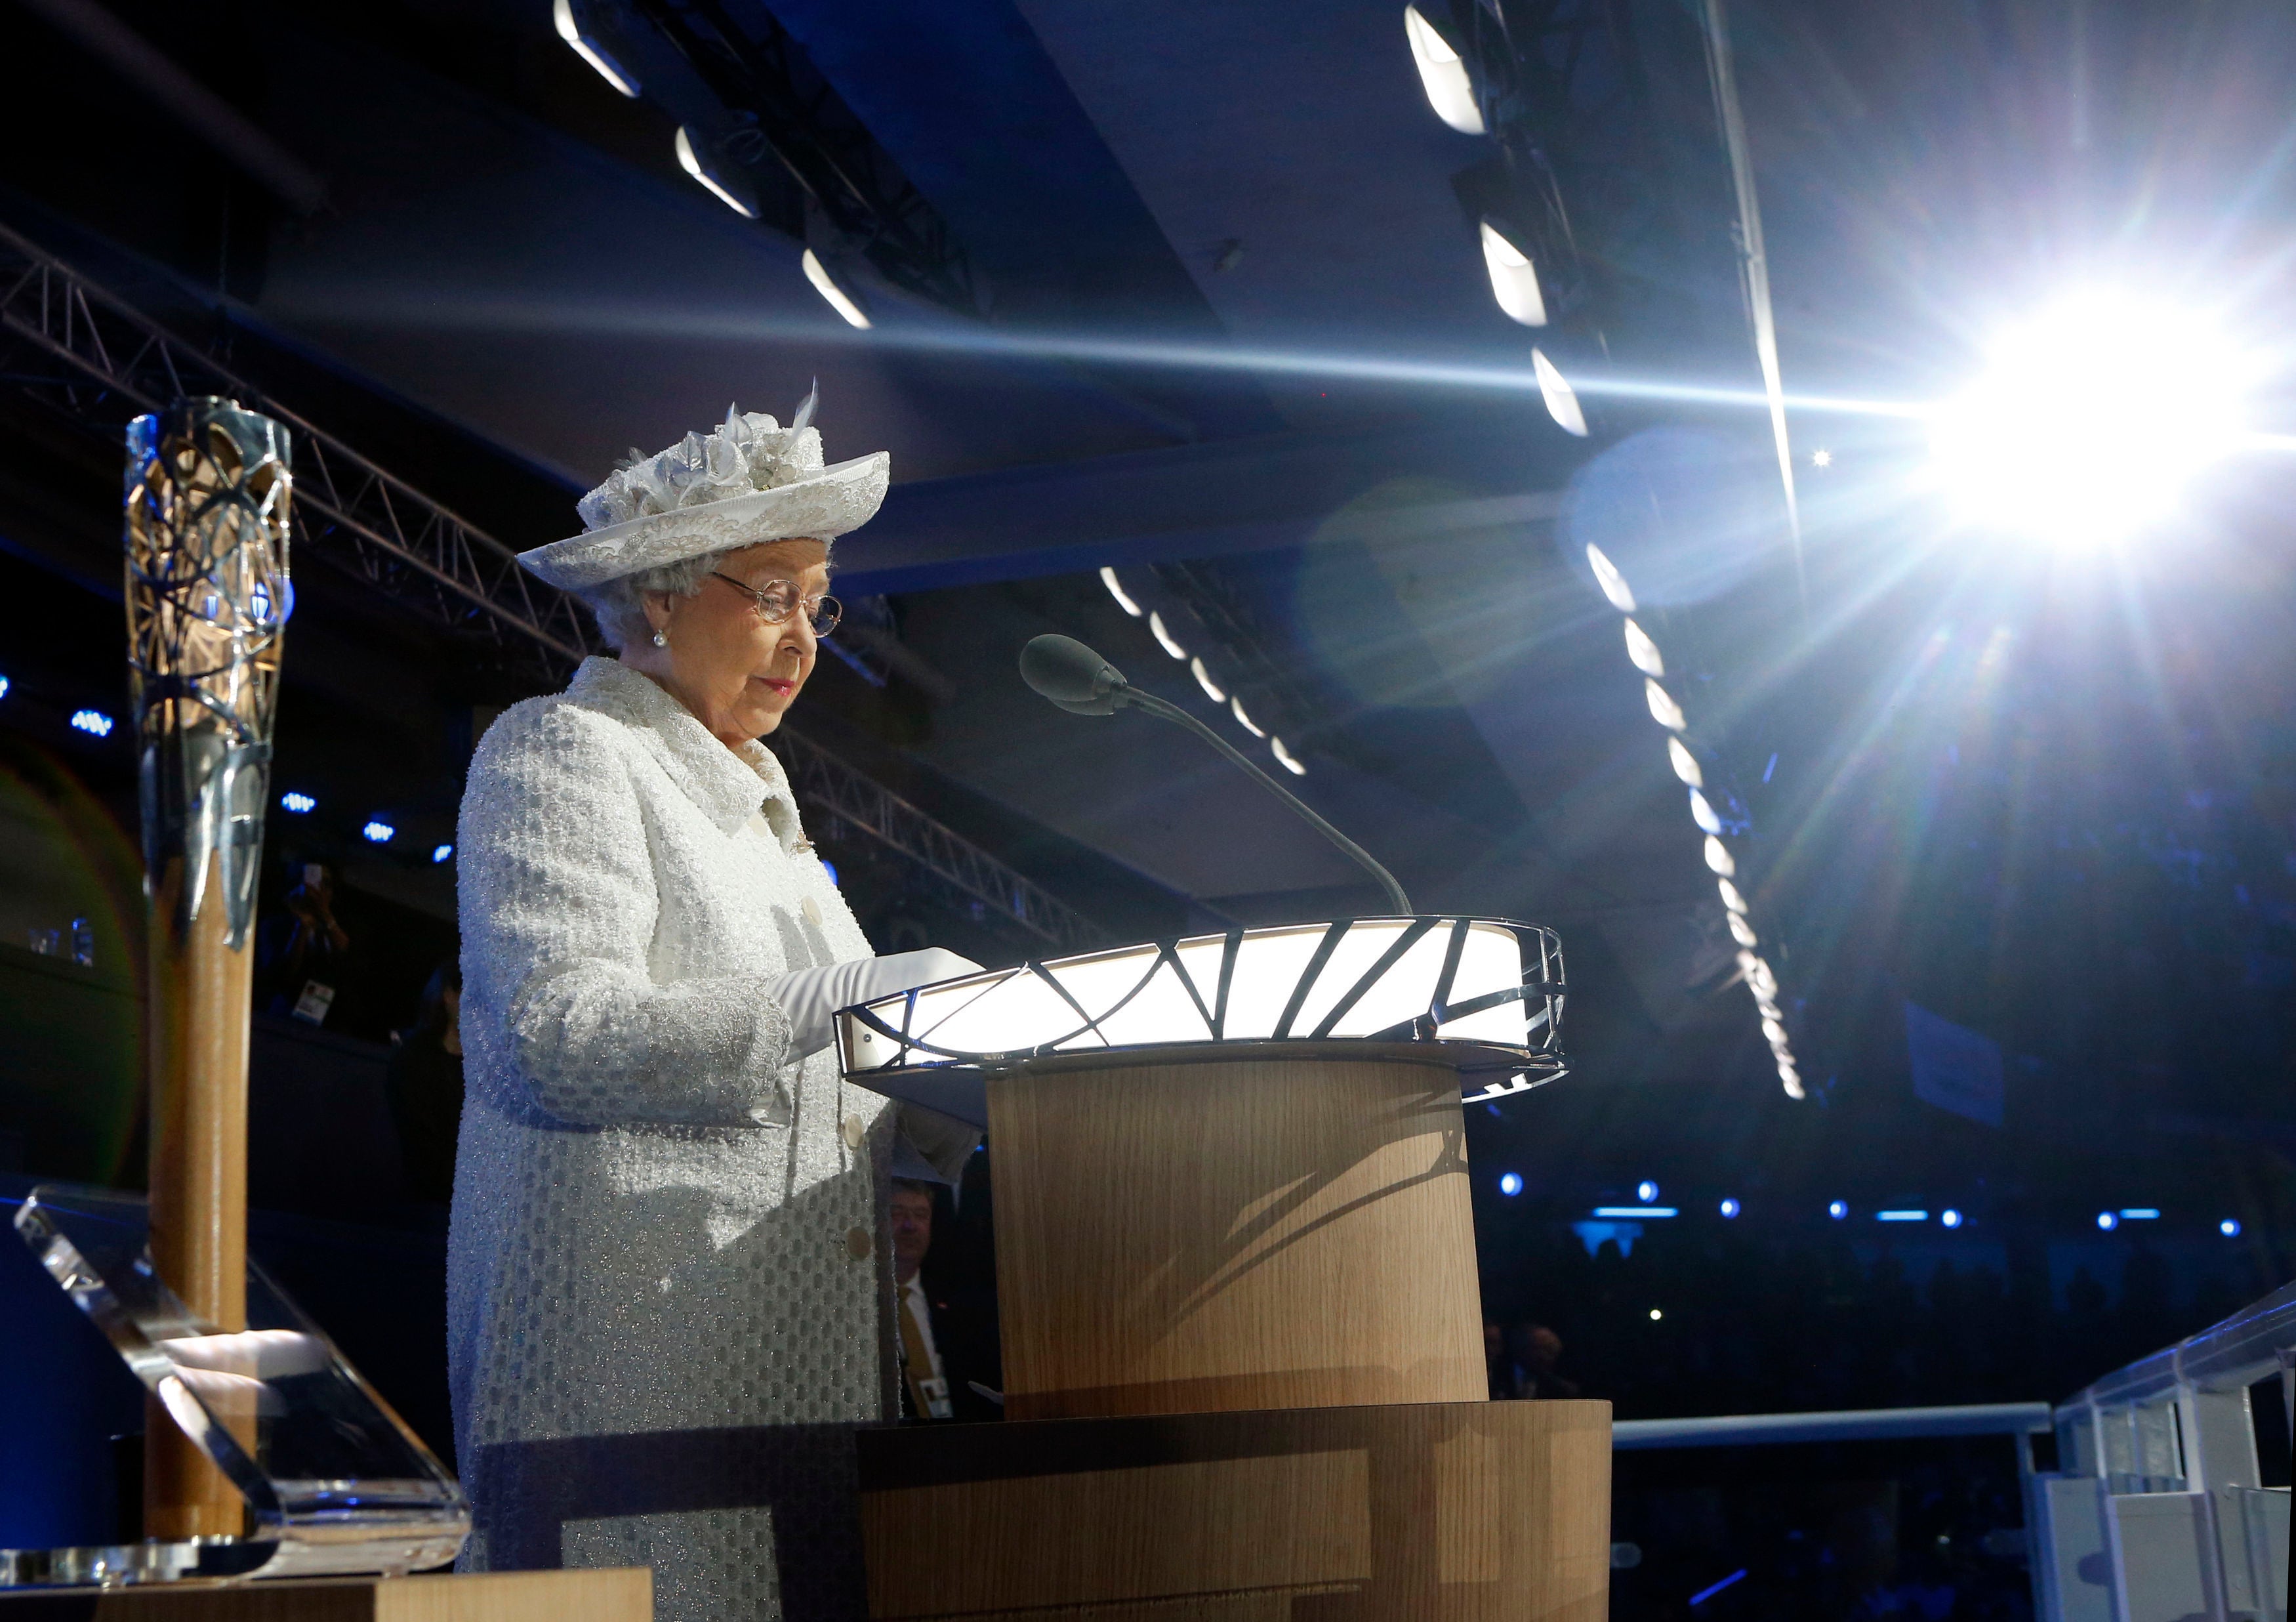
(2089, 423)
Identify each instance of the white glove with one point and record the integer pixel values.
(810, 996)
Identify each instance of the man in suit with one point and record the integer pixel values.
(950, 1363)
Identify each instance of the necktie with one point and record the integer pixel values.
(928, 1395)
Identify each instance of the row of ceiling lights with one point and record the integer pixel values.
(96, 723)
(1170, 643)
(1510, 1184)
(1753, 968)
(697, 158)
(1514, 279)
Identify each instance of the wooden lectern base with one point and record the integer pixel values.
(617, 1594)
(1435, 1512)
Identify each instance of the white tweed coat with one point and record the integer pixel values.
(664, 1231)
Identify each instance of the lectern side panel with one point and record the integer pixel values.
(1247, 1233)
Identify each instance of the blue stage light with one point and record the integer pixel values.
(1901, 1216)
(1510, 1183)
(379, 832)
(301, 804)
(1704, 1594)
(1730, 1208)
(94, 722)
(1646, 1191)
(2107, 1221)
(2140, 1214)
(830, 867)
(1839, 1209)
(2229, 1227)
(4, 687)
(442, 853)
(1635, 1211)
(1951, 1218)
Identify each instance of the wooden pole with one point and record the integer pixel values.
(199, 992)
(208, 595)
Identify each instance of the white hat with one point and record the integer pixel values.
(751, 480)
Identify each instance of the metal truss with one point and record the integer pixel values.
(77, 349)
(827, 782)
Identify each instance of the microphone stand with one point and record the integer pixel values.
(1132, 696)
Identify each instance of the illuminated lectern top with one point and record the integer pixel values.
(1487, 991)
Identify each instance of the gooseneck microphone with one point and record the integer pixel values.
(1082, 683)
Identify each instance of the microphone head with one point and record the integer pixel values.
(1071, 675)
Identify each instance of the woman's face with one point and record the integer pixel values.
(735, 671)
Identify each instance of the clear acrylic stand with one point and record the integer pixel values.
(334, 1481)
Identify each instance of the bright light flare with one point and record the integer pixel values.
(1663, 708)
(562, 17)
(1514, 279)
(1442, 75)
(1289, 762)
(1607, 576)
(1204, 681)
(816, 273)
(1235, 708)
(1684, 764)
(1562, 399)
(1643, 650)
(689, 161)
(1164, 639)
(1116, 590)
(2089, 424)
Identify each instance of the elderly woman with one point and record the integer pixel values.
(666, 1297)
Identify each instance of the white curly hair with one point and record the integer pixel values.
(619, 605)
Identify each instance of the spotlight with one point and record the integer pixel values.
(1656, 1314)
(1607, 576)
(1821, 459)
(1276, 747)
(95, 723)
(1204, 681)
(1510, 1183)
(561, 14)
(1684, 764)
(4, 687)
(1719, 857)
(1901, 1216)
(1514, 279)
(1643, 650)
(816, 273)
(724, 190)
(2108, 1220)
(1663, 709)
(1235, 708)
(2229, 1227)
(1442, 75)
(1702, 814)
(1730, 1207)
(379, 832)
(1164, 637)
(1646, 1191)
(1839, 1209)
(300, 804)
(1116, 590)
(1951, 1218)
(2089, 424)
(1562, 399)
(441, 854)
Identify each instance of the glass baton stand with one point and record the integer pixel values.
(334, 1481)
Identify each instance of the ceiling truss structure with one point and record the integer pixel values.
(85, 353)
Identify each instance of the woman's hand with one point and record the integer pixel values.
(811, 997)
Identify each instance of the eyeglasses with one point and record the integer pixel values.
(777, 600)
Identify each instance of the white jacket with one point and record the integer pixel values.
(663, 1230)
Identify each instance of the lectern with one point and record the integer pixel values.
(1236, 1270)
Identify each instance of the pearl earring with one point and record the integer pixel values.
(662, 639)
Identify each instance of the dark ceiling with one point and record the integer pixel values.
(1233, 337)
